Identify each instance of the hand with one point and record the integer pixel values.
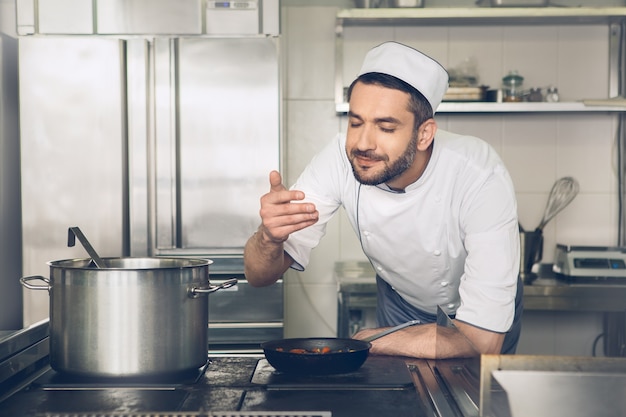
(280, 216)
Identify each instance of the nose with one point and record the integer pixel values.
(365, 138)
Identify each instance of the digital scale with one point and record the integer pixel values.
(590, 263)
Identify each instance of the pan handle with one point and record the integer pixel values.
(25, 282)
(391, 330)
(195, 292)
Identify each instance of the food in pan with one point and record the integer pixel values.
(317, 350)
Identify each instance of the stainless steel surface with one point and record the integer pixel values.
(582, 394)
(391, 330)
(542, 371)
(72, 164)
(563, 191)
(137, 317)
(197, 202)
(405, 387)
(194, 291)
(243, 317)
(226, 166)
(531, 252)
(518, 3)
(148, 17)
(151, 155)
(10, 198)
(546, 293)
(15, 343)
(159, 17)
(75, 232)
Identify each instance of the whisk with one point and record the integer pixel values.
(562, 193)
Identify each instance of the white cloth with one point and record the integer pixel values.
(450, 239)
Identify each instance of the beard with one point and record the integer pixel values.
(390, 171)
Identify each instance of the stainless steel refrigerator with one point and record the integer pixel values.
(151, 125)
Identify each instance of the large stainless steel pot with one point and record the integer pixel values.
(136, 317)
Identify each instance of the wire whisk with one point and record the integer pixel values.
(562, 193)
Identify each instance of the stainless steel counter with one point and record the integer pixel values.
(357, 290)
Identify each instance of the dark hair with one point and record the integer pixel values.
(418, 105)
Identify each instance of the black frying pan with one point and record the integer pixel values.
(344, 355)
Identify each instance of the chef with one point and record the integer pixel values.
(435, 213)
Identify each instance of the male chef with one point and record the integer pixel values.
(435, 213)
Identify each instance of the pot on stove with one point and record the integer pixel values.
(134, 317)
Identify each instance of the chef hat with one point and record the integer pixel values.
(411, 66)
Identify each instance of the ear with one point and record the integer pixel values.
(426, 134)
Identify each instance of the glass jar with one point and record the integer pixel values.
(553, 95)
(512, 87)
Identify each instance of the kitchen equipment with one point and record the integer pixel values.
(562, 193)
(138, 317)
(345, 355)
(548, 389)
(75, 232)
(531, 252)
(158, 85)
(590, 263)
(243, 317)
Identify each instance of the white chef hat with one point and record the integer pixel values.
(411, 66)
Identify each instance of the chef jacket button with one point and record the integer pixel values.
(450, 305)
(366, 233)
(437, 252)
(380, 268)
(444, 283)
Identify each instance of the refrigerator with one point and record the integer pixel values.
(150, 124)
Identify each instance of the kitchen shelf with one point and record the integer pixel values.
(482, 15)
(615, 17)
(525, 107)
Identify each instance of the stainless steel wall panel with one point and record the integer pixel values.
(241, 19)
(157, 17)
(25, 12)
(140, 144)
(65, 16)
(229, 137)
(71, 117)
(165, 143)
(270, 17)
(10, 207)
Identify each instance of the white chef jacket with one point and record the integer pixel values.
(450, 239)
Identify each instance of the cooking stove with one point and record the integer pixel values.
(244, 386)
(247, 386)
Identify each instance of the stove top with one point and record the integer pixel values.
(376, 373)
(55, 380)
(247, 386)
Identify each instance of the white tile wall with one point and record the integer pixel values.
(537, 148)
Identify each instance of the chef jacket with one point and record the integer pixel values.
(450, 238)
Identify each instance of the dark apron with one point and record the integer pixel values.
(392, 310)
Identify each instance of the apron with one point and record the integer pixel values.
(392, 310)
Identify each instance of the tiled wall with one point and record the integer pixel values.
(537, 148)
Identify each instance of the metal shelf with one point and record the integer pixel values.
(483, 15)
(615, 17)
(525, 107)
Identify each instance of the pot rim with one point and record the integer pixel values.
(138, 263)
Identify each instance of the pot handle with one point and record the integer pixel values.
(195, 292)
(25, 282)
